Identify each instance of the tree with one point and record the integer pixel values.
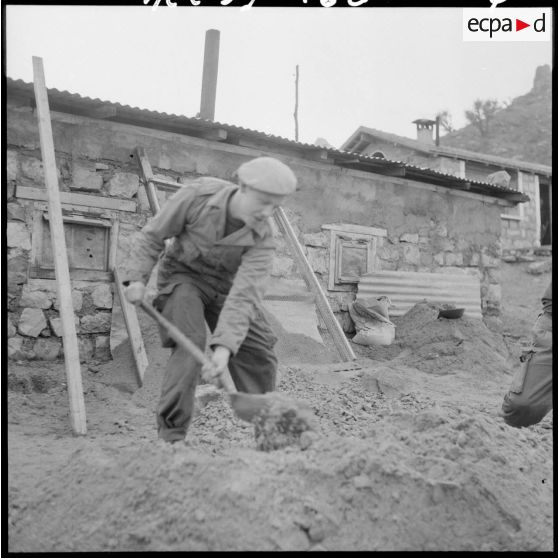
(445, 121)
(482, 114)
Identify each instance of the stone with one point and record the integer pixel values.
(102, 347)
(123, 185)
(388, 253)
(33, 169)
(206, 393)
(411, 254)
(17, 267)
(12, 165)
(16, 212)
(86, 179)
(18, 235)
(35, 299)
(408, 237)
(47, 349)
(102, 296)
(439, 258)
(319, 240)
(318, 259)
(11, 328)
(537, 268)
(500, 178)
(86, 348)
(96, 323)
(77, 301)
(453, 258)
(15, 350)
(31, 322)
(56, 326)
(441, 230)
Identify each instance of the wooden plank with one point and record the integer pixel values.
(28, 193)
(147, 174)
(333, 326)
(64, 288)
(133, 328)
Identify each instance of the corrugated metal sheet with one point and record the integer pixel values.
(406, 288)
(545, 170)
(67, 101)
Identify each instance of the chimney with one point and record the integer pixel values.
(209, 79)
(425, 128)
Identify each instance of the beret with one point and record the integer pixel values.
(269, 175)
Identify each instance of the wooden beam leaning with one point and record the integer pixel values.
(133, 328)
(58, 240)
(147, 174)
(333, 326)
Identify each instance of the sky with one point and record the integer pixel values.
(358, 66)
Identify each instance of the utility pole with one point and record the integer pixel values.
(296, 105)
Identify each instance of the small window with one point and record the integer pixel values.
(89, 247)
(352, 254)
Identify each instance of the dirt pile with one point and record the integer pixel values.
(409, 453)
(443, 346)
(414, 476)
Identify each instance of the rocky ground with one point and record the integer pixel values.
(409, 453)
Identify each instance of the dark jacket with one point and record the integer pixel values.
(238, 265)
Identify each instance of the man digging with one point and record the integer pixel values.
(213, 270)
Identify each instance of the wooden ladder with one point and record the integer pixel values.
(342, 345)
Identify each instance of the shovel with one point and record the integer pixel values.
(247, 406)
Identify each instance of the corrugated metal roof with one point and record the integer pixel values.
(73, 103)
(450, 151)
(407, 288)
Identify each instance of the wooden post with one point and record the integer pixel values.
(296, 105)
(58, 240)
(133, 328)
(341, 342)
(209, 78)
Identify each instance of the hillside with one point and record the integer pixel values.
(522, 130)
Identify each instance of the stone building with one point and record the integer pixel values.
(352, 213)
(525, 227)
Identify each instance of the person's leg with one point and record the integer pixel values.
(185, 309)
(254, 367)
(530, 396)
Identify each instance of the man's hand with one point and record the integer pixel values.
(135, 292)
(219, 361)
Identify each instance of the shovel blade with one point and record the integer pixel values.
(247, 406)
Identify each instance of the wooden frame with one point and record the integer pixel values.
(37, 270)
(344, 237)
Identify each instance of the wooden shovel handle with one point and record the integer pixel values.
(187, 344)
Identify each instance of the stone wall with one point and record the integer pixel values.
(428, 228)
(518, 235)
(522, 235)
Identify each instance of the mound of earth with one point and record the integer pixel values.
(409, 453)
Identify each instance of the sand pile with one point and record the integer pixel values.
(426, 480)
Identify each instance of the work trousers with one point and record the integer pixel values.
(253, 368)
(529, 398)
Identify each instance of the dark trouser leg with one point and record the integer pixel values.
(185, 309)
(530, 396)
(254, 367)
(534, 401)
